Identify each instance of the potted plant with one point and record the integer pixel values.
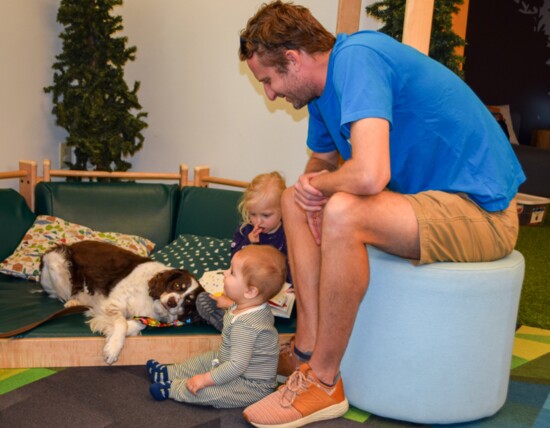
(91, 99)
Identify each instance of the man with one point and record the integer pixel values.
(427, 174)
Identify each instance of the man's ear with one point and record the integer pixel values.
(294, 59)
(251, 292)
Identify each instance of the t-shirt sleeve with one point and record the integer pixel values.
(364, 84)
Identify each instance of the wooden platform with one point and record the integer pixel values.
(87, 351)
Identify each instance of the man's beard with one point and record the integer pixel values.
(301, 94)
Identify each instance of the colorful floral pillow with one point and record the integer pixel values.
(48, 231)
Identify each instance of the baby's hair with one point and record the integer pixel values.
(263, 267)
(268, 186)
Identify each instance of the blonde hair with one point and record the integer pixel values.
(269, 186)
(263, 267)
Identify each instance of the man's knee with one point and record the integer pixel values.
(339, 212)
(287, 199)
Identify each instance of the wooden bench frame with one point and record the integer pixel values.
(87, 351)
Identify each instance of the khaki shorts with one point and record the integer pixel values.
(454, 228)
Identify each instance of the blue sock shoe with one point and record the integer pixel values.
(160, 390)
(157, 372)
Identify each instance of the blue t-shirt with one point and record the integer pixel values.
(442, 137)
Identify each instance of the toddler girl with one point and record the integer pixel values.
(260, 208)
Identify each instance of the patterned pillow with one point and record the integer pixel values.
(48, 231)
(197, 254)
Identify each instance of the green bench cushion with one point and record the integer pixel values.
(32, 307)
(143, 209)
(208, 212)
(13, 222)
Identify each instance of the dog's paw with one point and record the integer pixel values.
(72, 302)
(111, 351)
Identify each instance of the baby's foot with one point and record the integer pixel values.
(160, 390)
(157, 372)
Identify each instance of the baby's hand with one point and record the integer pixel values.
(198, 382)
(254, 236)
(222, 301)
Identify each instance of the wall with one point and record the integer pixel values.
(508, 58)
(204, 106)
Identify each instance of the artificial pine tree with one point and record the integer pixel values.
(443, 39)
(90, 97)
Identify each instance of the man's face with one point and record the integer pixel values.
(291, 85)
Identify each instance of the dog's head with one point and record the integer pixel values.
(177, 291)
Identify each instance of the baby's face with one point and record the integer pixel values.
(234, 284)
(265, 215)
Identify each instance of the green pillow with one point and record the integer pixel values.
(197, 254)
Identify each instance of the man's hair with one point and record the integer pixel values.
(263, 267)
(264, 187)
(278, 27)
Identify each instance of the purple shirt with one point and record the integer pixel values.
(276, 239)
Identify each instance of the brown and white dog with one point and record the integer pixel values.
(117, 285)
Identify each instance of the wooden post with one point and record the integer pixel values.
(349, 13)
(28, 182)
(417, 28)
(200, 173)
(46, 170)
(184, 175)
(460, 22)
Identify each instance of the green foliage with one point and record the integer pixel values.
(443, 39)
(91, 100)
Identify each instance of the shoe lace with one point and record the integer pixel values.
(297, 383)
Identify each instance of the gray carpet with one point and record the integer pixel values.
(119, 397)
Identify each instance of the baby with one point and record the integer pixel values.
(233, 376)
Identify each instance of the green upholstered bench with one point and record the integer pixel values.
(158, 212)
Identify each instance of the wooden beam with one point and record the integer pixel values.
(460, 23)
(349, 13)
(27, 183)
(182, 176)
(87, 351)
(417, 28)
(202, 178)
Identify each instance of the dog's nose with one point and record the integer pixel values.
(172, 303)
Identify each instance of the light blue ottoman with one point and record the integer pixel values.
(433, 343)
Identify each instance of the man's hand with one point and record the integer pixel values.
(315, 222)
(312, 201)
(306, 196)
(198, 382)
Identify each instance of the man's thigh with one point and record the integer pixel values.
(454, 228)
(385, 220)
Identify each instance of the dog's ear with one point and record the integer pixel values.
(157, 285)
(58, 248)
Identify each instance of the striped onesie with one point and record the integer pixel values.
(244, 368)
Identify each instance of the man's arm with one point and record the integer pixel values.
(322, 161)
(367, 172)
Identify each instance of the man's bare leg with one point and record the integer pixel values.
(386, 221)
(304, 257)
